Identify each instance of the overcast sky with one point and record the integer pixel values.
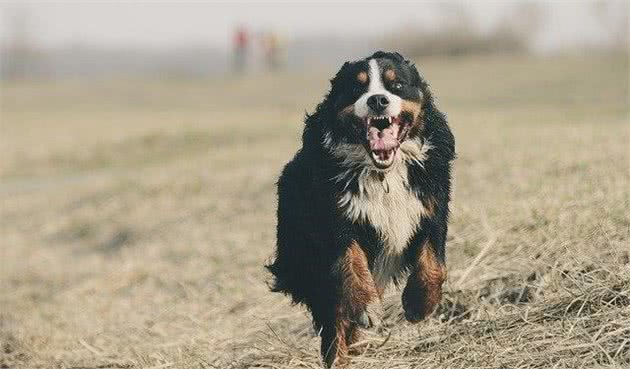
(169, 24)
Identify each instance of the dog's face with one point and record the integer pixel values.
(377, 105)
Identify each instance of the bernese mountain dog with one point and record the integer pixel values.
(364, 202)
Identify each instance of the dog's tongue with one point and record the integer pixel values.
(384, 140)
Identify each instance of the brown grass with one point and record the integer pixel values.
(136, 217)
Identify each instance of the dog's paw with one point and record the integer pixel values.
(415, 314)
(370, 317)
(418, 304)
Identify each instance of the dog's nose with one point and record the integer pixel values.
(378, 103)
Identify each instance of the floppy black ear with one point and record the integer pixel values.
(391, 55)
(336, 84)
(325, 108)
(398, 57)
(427, 96)
(415, 74)
(339, 74)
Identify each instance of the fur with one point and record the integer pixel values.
(348, 227)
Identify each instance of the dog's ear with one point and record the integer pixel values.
(325, 108)
(340, 73)
(415, 75)
(425, 92)
(391, 55)
(414, 72)
(398, 57)
(337, 82)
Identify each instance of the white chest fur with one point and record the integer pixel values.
(392, 209)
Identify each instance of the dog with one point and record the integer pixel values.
(364, 202)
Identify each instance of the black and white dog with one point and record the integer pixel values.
(364, 203)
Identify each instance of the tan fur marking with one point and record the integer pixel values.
(348, 110)
(389, 75)
(362, 77)
(353, 335)
(415, 108)
(432, 274)
(357, 283)
(411, 106)
(429, 206)
(343, 326)
(334, 348)
(424, 286)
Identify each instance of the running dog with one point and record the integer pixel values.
(364, 202)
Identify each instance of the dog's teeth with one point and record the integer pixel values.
(389, 119)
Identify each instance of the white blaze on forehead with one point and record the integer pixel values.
(376, 84)
(376, 87)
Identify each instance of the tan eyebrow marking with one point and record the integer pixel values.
(389, 75)
(362, 77)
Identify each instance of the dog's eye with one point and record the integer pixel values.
(397, 86)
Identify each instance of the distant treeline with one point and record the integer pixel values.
(515, 32)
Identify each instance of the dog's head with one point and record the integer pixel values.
(375, 106)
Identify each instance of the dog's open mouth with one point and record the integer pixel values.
(383, 138)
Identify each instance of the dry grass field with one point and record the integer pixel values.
(137, 216)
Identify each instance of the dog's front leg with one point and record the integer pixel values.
(357, 305)
(360, 298)
(424, 286)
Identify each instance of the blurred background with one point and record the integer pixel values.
(140, 143)
(197, 39)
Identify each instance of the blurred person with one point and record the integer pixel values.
(272, 46)
(241, 41)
